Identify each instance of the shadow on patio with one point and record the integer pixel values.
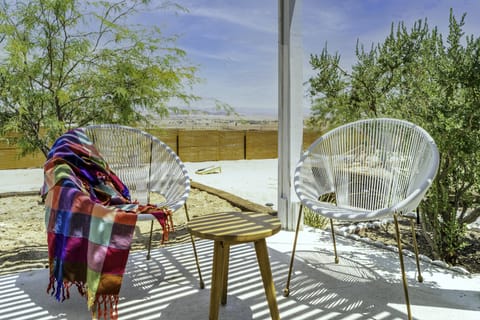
(364, 285)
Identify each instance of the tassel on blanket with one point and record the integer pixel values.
(105, 307)
(62, 290)
(164, 217)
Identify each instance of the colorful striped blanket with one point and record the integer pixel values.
(90, 223)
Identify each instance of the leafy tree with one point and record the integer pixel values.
(418, 76)
(68, 63)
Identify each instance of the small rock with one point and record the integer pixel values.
(379, 244)
(461, 270)
(440, 263)
(366, 240)
(424, 258)
(393, 248)
(352, 229)
(377, 224)
(355, 236)
(343, 233)
(343, 229)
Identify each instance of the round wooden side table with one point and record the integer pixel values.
(230, 228)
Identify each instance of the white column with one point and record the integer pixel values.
(290, 109)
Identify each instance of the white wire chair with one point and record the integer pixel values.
(145, 165)
(373, 169)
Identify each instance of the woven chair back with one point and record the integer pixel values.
(369, 167)
(143, 162)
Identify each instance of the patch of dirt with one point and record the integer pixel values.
(23, 239)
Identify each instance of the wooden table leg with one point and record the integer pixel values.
(226, 258)
(217, 279)
(264, 264)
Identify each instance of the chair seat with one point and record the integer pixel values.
(333, 211)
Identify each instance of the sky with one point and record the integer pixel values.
(234, 43)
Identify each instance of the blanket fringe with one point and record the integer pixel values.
(61, 289)
(168, 227)
(102, 306)
(105, 307)
(163, 216)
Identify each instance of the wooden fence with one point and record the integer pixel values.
(190, 145)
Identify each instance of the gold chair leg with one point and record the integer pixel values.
(334, 241)
(286, 291)
(192, 239)
(149, 248)
(402, 267)
(415, 246)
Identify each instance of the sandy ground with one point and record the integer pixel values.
(23, 243)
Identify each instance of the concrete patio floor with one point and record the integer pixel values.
(366, 284)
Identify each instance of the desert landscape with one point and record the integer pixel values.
(219, 122)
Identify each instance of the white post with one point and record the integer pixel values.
(290, 109)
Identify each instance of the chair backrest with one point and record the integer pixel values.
(381, 165)
(143, 162)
